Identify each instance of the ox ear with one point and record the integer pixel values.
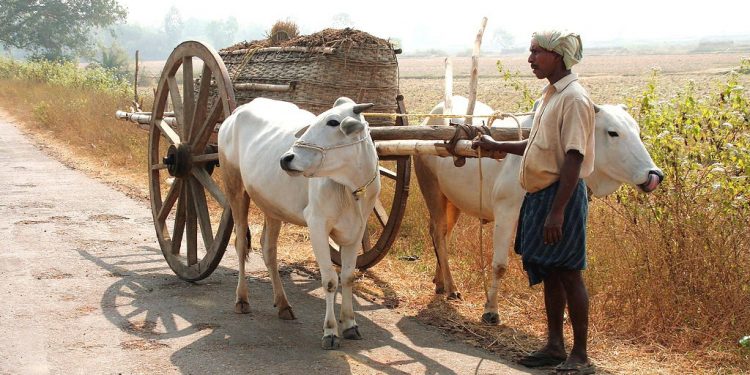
(597, 108)
(301, 131)
(350, 126)
(342, 100)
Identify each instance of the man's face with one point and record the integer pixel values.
(543, 62)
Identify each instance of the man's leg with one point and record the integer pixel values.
(554, 304)
(578, 307)
(553, 352)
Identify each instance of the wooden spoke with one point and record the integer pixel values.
(174, 93)
(206, 158)
(201, 105)
(179, 222)
(366, 244)
(191, 226)
(188, 96)
(196, 113)
(207, 128)
(380, 212)
(387, 173)
(172, 195)
(205, 179)
(168, 132)
(201, 209)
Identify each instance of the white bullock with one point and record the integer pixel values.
(620, 158)
(325, 180)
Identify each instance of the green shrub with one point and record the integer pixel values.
(65, 74)
(684, 258)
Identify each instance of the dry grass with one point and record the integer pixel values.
(83, 122)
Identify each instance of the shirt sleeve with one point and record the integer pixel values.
(578, 125)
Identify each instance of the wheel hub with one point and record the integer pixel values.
(179, 160)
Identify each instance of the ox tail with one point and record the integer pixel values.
(249, 239)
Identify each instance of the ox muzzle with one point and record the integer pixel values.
(654, 178)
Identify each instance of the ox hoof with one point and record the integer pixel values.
(439, 290)
(454, 296)
(491, 318)
(287, 313)
(331, 342)
(242, 307)
(352, 333)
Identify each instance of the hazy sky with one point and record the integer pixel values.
(436, 26)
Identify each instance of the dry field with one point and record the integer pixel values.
(403, 283)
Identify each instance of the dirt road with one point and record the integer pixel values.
(85, 290)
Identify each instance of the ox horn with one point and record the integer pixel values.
(359, 108)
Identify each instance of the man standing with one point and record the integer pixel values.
(551, 233)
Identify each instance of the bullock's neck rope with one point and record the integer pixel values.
(358, 192)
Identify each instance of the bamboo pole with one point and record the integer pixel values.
(419, 147)
(263, 87)
(378, 133)
(475, 71)
(436, 132)
(135, 84)
(323, 50)
(448, 101)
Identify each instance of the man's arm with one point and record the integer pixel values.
(490, 145)
(569, 174)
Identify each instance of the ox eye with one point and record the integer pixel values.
(333, 123)
(613, 133)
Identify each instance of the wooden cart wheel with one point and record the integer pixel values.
(383, 224)
(185, 200)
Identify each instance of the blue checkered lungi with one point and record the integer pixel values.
(570, 253)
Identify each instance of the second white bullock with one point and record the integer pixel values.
(327, 180)
(620, 158)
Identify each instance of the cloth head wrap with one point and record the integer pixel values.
(567, 45)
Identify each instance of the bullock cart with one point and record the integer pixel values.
(192, 218)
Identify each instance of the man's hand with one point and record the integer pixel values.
(498, 150)
(553, 228)
(486, 143)
(489, 147)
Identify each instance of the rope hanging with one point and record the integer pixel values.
(481, 183)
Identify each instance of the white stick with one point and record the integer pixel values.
(448, 101)
(475, 71)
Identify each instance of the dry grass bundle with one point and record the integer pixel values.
(282, 31)
(325, 38)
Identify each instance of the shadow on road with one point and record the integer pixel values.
(197, 320)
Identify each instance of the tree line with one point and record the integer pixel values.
(95, 30)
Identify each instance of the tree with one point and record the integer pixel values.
(501, 39)
(342, 20)
(173, 24)
(55, 29)
(115, 59)
(221, 33)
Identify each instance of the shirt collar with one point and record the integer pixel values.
(563, 82)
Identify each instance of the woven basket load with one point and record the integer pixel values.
(318, 69)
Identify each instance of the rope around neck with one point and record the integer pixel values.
(358, 192)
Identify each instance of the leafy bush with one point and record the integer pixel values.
(680, 273)
(65, 74)
(513, 80)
